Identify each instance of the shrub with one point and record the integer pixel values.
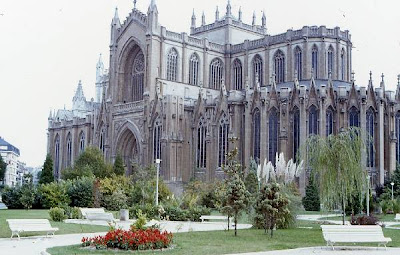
(27, 197)
(10, 197)
(54, 194)
(141, 220)
(311, 201)
(390, 206)
(80, 192)
(150, 210)
(364, 220)
(195, 213)
(175, 213)
(115, 201)
(57, 214)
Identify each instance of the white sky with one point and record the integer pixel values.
(47, 46)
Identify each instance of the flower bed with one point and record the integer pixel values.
(134, 239)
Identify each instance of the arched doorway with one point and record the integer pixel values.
(127, 147)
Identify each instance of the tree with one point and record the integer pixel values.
(47, 175)
(311, 201)
(28, 195)
(118, 167)
(271, 206)
(3, 169)
(335, 161)
(237, 196)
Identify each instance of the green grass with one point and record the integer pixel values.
(64, 228)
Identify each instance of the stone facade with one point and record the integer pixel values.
(188, 99)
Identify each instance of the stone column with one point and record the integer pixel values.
(363, 127)
(381, 143)
(264, 133)
(303, 137)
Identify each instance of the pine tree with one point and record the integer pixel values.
(3, 168)
(47, 175)
(118, 167)
(311, 201)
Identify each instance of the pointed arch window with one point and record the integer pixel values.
(216, 73)
(273, 135)
(330, 59)
(398, 137)
(57, 156)
(354, 117)
(329, 122)
(279, 66)
(69, 150)
(237, 75)
(194, 70)
(342, 65)
(370, 137)
(223, 140)
(157, 131)
(312, 120)
(102, 141)
(298, 63)
(138, 77)
(172, 65)
(296, 132)
(256, 135)
(257, 70)
(201, 144)
(82, 142)
(314, 61)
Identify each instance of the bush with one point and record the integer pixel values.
(390, 206)
(116, 201)
(80, 192)
(311, 201)
(149, 210)
(175, 213)
(364, 220)
(54, 194)
(195, 213)
(28, 195)
(10, 197)
(141, 220)
(57, 214)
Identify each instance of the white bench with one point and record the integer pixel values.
(213, 217)
(96, 214)
(397, 218)
(18, 226)
(85, 211)
(353, 234)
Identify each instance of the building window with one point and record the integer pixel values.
(296, 132)
(257, 70)
(279, 66)
(370, 138)
(102, 141)
(138, 77)
(398, 137)
(223, 140)
(330, 59)
(69, 150)
(312, 121)
(273, 135)
(353, 117)
(329, 122)
(194, 70)
(82, 142)
(298, 63)
(237, 75)
(172, 65)
(216, 74)
(342, 65)
(157, 131)
(57, 156)
(314, 61)
(201, 144)
(256, 135)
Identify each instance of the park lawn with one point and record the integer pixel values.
(64, 228)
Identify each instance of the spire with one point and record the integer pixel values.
(79, 100)
(134, 4)
(240, 13)
(254, 18)
(383, 82)
(50, 115)
(398, 80)
(370, 79)
(229, 8)
(264, 20)
(203, 19)
(193, 20)
(216, 14)
(352, 76)
(153, 4)
(116, 22)
(99, 68)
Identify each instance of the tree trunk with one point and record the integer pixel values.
(235, 224)
(229, 221)
(343, 208)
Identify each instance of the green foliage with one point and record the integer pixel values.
(54, 194)
(141, 220)
(80, 192)
(118, 167)
(10, 196)
(251, 182)
(27, 195)
(150, 210)
(3, 168)
(57, 214)
(292, 193)
(390, 206)
(311, 201)
(271, 206)
(116, 201)
(47, 174)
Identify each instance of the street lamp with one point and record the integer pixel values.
(368, 195)
(158, 161)
(392, 183)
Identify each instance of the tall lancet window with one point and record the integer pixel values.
(342, 65)
(102, 141)
(354, 117)
(138, 77)
(69, 150)
(237, 75)
(172, 65)
(223, 140)
(82, 142)
(330, 59)
(298, 62)
(370, 138)
(157, 131)
(57, 156)
(201, 144)
(216, 73)
(398, 137)
(314, 61)
(194, 70)
(273, 135)
(312, 120)
(257, 70)
(256, 135)
(296, 132)
(279, 66)
(329, 122)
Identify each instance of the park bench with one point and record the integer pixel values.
(18, 226)
(397, 218)
(96, 214)
(353, 234)
(213, 217)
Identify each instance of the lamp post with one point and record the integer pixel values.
(392, 183)
(367, 194)
(158, 161)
